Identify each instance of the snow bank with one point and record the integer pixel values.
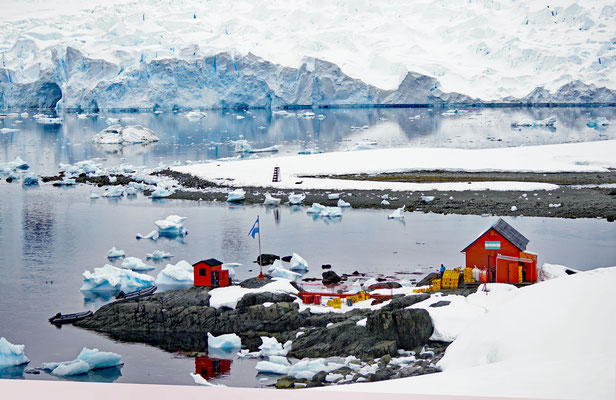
(110, 278)
(88, 359)
(12, 354)
(570, 157)
(230, 295)
(131, 134)
(553, 271)
(180, 274)
(136, 264)
(224, 342)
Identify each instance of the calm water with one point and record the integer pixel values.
(53, 235)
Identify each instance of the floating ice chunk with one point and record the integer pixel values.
(333, 196)
(94, 195)
(24, 115)
(48, 121)
(279, 360)
(160, 193)
(131, 134)
(136, 264)
(514, 208)
(268, 367)
(296, 198)
(454, 112)
(228, 341)
(242, 146)
(231, 268)
(195, 115)
(171, 226)
(199, 380)
(113, 179)
(307, 368)
(331, 212)
(158, 255)
(271, 347)
(544, 122)
(180, 274)
(8, 130)
(236, 195)
(131, 191)
(384, 203)
(307, 114)
(427, 199)
(385, 197)
(111, 121)
(66, 182)
(276, 270)
(316, 208)
(298, 263)
(88, 359)
(30, 180)
(12, 354)
(554, 205)
(397, 214)
(310, 151)
(271, 201)
(115, 253)
(152, 235)
(110, 278)
(342, 203)
(115, 191)
(16, 164)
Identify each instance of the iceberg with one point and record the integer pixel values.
(271, 201)
(342, 203)
(398, 214)
(12, 354)
(87, 360)
(307, 368)
(160, 193)
(180, 274)
(271, 347)
(549, 122)
(48, 121)
(296, 198)
(298, 263)
(315, 209)
(136, 264)
(242, 146)
(171, 226)
(131, 134)
(158, 255)
(236, 195)
(227, 342)
(16, 164)
(115, 253)
(331, 212)
(195, 115)
(268, 367)
(115, 191)
(152, 235)
(276, 270)
(110, 278)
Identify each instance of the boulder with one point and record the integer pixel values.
(326, 266)
(441, 303)
(319, 376)
(266, 259)
(405, 301)
(252, 299)
(330, 277)
(408, 328)
(384, 285)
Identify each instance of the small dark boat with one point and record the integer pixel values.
(122, 297)
(60, 318)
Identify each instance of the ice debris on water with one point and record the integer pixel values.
(554, 205)
(30, 180)
(12, 354)
(236, 195)
(270, 200)
(530, 123)
(171, 226)
(333, 196)
(87, 360)
(158, 255)
(195, 115)
(130, 134)
(226, 342)
(152, 235)
(94, 196)
(342, 203)
(277, 270)
(160, 193)
(427, 199)
(398, 214)
(296, 198)
(115, 191)
(325, 212)
(110, 278)
(199, 380)
(269, 367)
(242, 146)
(115, 253)
(298, 263)
(44, 120)
(514, 208)
(180, 274)
(14, 165)
(308, 368)
(136, 264)
(271, 347)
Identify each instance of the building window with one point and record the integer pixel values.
(202, 272)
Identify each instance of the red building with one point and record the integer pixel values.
(209, 273)
(211, 367)
(502, 251)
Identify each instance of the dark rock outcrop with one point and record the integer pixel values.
(330, 277)
(406, 328)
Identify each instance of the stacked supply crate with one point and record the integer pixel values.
(451, 278)
(435, 285)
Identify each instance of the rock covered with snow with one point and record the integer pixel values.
(110, 278)
(131, 134)
(12, 354)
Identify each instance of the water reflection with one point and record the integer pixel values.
(104, 375)
(212, 367)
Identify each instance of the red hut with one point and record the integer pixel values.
(211, 367)
(209, 273)
(502, 251)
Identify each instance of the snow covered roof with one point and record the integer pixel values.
(212, 262)
(508, 232)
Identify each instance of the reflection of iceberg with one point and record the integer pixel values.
(104, 375)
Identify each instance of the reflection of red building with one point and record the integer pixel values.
(211, 367)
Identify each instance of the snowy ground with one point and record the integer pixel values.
(573, 157)
(487, 49)
(554, 339)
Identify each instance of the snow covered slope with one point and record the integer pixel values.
(136, 53)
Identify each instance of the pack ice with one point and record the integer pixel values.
(110, 278)
(87, 360)
(131, 134)
(12, 354)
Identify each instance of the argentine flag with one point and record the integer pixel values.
(255, 229)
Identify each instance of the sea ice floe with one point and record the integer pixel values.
(110, 278)
(227, 342)
(195, 115)
(12, 354)
(48, 120)
(136, 264)
(118, 134)
(158, 255)
(180, 274)
(242, 146)
(398, 214)
(271, 201)
(115, 253)
(236, 195)
(88, 359)
(14, 165)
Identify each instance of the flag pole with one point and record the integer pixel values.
(261, 276)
